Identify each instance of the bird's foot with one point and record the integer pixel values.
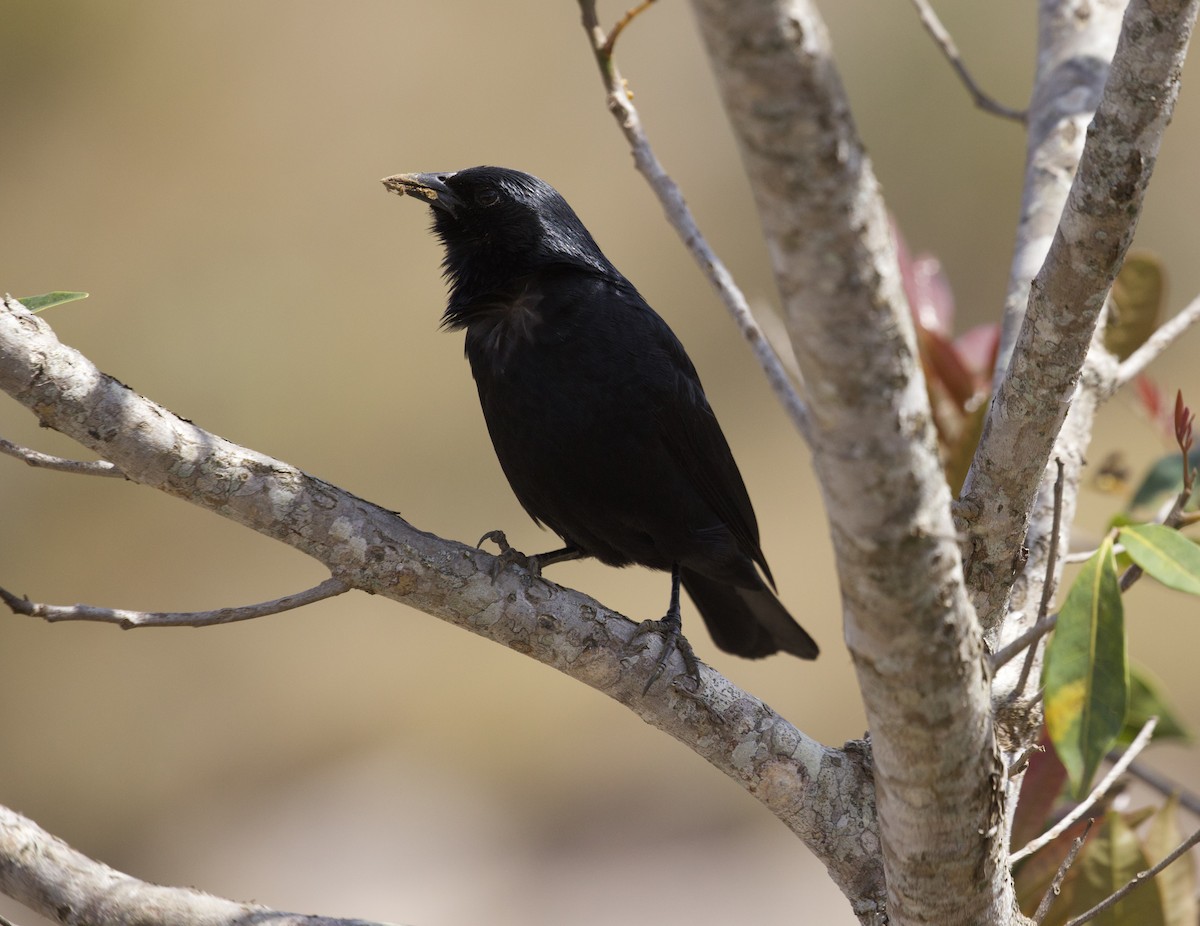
(670, 628)
(509, 556)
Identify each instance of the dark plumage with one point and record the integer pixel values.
(596, 413)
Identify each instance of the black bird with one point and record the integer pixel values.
(596, 413)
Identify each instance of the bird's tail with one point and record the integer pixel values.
(748, 622)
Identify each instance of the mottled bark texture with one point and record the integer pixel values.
(909, 624)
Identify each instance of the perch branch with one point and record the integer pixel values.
(367, 547)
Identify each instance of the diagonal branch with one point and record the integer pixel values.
(1068, 294)
(680, 216)
(1164, 337)
(51, 878)
(1056, 883)
(1102, 788)
(800, 781)
(941, 36)
(1142, 877)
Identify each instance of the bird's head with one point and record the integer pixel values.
(497, 224)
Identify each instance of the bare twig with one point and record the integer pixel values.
(1055, 531)
(940, 35)
(1129, 576)
(1078, 812)
(1006, 653)
(1142, 877)
(1158, 342)
(48, 876)
(1021, 762)
(680, 216)
(629, 16)
(61, 464)
(1048, 584)
(128, 620)
(1056, 885)
(1082, 556)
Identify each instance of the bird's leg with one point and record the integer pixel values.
(535, 564)
(671, 630)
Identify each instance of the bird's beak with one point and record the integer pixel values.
(429, 187)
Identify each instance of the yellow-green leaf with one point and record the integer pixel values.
(1164, 554)
(1114, 856)
(45, 300)
(1087, 671)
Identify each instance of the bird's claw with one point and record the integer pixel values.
(508, 556)
(671, 631)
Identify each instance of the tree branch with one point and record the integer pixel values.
(1142, 877)
(48, 876)
(620, 104)
(1158, 342)
(800, 781)
(127, 620)
(1073, 58)
(1055, 887)
(40, 460)
(1068, 294)
(875, 453)
(941, 36)
(1139, 743)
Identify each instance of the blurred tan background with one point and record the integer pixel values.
(210, 173)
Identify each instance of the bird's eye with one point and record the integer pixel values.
(487, 197)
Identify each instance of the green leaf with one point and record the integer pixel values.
(1165, 554)
(1176, 883)
(1146, 702)
(1114, 856)
(1087, 672)
(1165, 476)
(35, 304)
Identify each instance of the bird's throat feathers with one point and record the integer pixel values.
(482, 260)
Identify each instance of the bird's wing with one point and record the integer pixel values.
(695, 440)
